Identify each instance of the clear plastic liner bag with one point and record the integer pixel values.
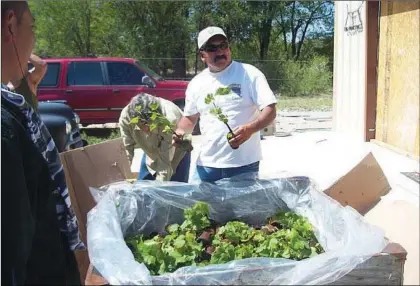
(126, 209)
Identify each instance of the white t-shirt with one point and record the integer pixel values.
(250, 94)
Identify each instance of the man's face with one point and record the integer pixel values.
(19, 33)
(144, 127)
(216, 53)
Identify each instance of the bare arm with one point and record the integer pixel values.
(244, 132)
(186, 124)
(40, 69)
(267, 115)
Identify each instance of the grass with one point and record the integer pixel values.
(321, 102)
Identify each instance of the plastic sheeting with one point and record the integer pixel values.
(126, 209)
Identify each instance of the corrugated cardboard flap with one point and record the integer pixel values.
(93, 166)
(362, 187)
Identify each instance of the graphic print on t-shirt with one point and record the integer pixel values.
(236, 88)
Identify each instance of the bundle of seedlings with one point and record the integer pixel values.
(199, 241)
(155, 120)
(217, 111)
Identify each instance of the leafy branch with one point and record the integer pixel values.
(153, 120)
(217, 110)
(156, 120)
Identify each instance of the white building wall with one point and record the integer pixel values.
(349, 93)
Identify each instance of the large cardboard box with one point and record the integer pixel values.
(385, 268)
(93, 166)
(104, 163)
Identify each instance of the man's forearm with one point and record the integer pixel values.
(187, 123)
(267, 115)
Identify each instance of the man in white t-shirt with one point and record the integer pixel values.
(249, 107)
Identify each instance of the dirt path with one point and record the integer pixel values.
(303, 121)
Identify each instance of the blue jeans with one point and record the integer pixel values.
(210, 174)
(181, 174)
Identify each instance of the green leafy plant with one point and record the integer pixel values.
(156, 120)
(217, 111)
(235, 232)
(199, 242)
(196, 217)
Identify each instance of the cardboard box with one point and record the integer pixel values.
(93, 166)
(105, 163)
(370, 272)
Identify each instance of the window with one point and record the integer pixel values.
(50, 78)
(85, 73)
(124, 74)
(149, 71)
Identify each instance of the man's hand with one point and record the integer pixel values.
(185, 125)
(40, 69)
(182, 141)
(177, 138)
(241, 135)
(244, 132)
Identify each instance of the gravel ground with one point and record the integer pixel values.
(285, 121)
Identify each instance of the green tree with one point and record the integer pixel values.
(264, 15)
(157, 29)
(163, 34)
(298, 18)
(75, 28)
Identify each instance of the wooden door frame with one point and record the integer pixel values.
(371, 70)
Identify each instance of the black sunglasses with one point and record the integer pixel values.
(212, 48)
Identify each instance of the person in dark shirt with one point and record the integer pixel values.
(39, 228)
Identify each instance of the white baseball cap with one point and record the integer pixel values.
(207, 33)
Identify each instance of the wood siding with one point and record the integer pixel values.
(397, 113)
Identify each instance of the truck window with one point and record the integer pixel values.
(50, 78)
(85, 73)
(120, 73)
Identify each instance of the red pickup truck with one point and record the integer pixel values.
(99, 88)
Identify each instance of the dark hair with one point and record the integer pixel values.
(18, 7)
(144, 100)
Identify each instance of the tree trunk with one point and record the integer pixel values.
(196, 63)
(266, 28)
(284, 32)
(77, 39)
(88, 18)
(293, 30)
(302, 38)
(179, 64)
(265, 38)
